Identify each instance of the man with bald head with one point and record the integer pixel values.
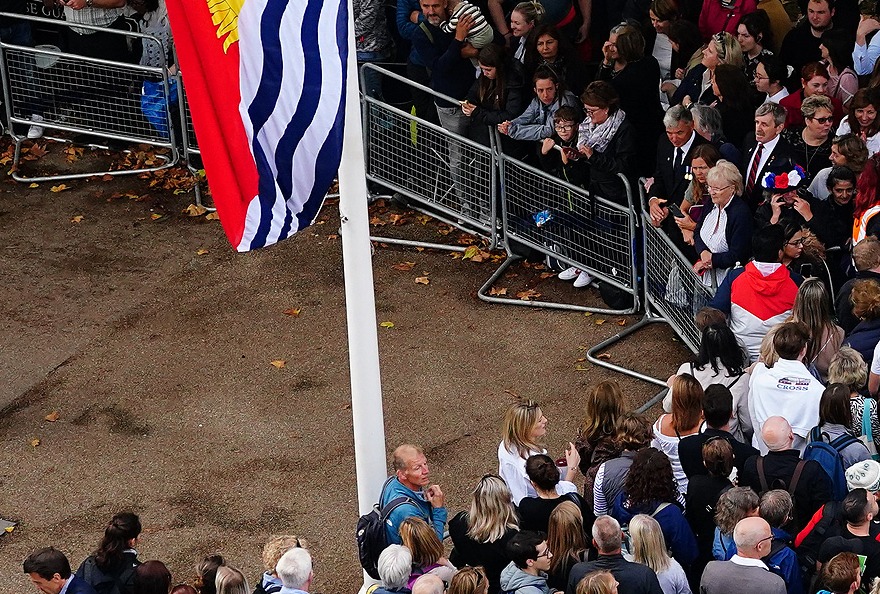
(745, 572)
(428, 584)
(411, 487)
(782, 468)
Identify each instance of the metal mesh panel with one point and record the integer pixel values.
(589, 233)
(192, 144)
(671, 285)
(417, 159)
(75, 92)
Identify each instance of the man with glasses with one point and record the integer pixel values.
(745, 572)
(530, 561)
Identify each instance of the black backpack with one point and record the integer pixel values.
(370, 533)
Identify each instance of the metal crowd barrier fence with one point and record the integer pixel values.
(565, 222)
(448, 176)
(190, 142)
(76, 94)
(673, 295)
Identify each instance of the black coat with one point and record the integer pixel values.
(466, 551)
(781, 152)
(619, 156)
(690, 449)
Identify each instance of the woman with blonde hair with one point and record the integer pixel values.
(848, 368)
(684, 420)
(524, 427)
(649, 548)
(427, 550)
(469, 580)
(597, 582)
(568, 541)
(480, 535)
(595, 440)
(230, 581)
(723, 235)
(272, 552)
(812, 307)
(696, 87)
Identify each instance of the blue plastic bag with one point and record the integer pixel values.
(155, 106)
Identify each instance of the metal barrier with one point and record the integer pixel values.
(567, 223)
(673, 294)
(189, 140)
(448, 176)
(83, 95)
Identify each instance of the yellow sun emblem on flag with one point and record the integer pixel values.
(224, 14)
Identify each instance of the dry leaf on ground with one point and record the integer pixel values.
(212, 216)
(422, 280)
(404, 266)
(498, 291)
(201, 252)
(77, 219)
(53, 416)
(386, 324)
(59, 188)
(278, 363)
(528, 295)
(34, 442)
(293, 311)
(194, 210)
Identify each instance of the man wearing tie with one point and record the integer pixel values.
(763, 149)
(673, 173)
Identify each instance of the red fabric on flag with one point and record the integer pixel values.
(211, 83)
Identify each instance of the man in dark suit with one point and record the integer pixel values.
(49, 571)
(765, 148)
(673, 173)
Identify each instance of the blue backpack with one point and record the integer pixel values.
(827, 453)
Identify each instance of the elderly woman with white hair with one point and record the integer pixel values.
(723, 235)
(394, 567)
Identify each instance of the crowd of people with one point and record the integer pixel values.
(114, 568)
(767, 121)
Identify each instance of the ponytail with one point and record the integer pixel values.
(123, 527)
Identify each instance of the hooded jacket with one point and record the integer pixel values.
(754, 303)
(514, 579)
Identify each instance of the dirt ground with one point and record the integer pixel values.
(149, 341)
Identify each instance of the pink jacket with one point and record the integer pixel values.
(714, 18)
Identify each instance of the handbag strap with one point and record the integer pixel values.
(796, 477)
(761, 476)
(867, 430)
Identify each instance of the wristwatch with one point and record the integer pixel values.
(89, 3)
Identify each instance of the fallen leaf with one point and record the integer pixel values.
(581, 368)
(423, 219)
(599, 322)
(621, 322)
(418, 249)
(422, 280)
(194, 210)
(377, 222)
(604, 356)
(581, 360)
(77, 219)
(404, 266)
(107, 177)
(34, 185)
(498, 291)
(445, 230)
(9, 529)
(58, 188)
(293, 311)
(455, 255)
(528, 295)
(201, 252)
(155, 216)
(38, 151)
(278, 363)
(34, 442)
(53, 416)
(212, 216)
(386, 324)
(547, 275)
(470, 252)
(332, 237)
(587, 314)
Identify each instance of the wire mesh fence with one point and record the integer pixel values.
(568, 223)
(671, 286)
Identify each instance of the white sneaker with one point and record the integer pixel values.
(35, 131)
(569, 274)
(583, 280)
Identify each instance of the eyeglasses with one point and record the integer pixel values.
(564, 127)
(796, 242)
(824, 120)
(757, 544)
(546, 553)
(717, 190)
(758, 77)
(591, 110)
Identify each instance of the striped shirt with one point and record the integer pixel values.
(99, 17)
(466, 8)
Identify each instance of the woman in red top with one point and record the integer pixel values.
(723, 15)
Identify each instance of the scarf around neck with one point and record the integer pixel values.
(598, 136)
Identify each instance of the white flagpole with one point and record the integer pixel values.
(360, 302)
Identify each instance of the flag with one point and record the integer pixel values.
(265, 81)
